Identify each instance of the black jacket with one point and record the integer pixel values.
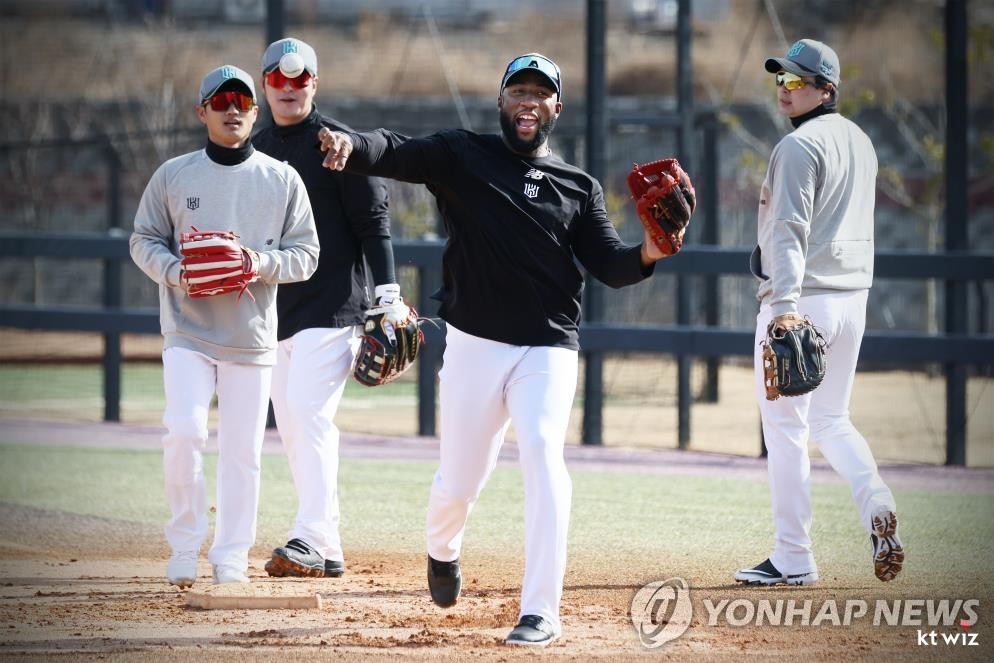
(516, 226)
(352, 215)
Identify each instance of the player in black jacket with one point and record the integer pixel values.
(318, 319)
(517, 216)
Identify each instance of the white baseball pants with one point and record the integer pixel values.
(485, 386)
(191, 379)
(312, 368)
(822, 417)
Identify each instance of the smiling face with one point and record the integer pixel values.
(794, 103)
(230, 127)
(289, 103)
(529, 107)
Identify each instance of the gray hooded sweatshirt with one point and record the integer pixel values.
(816, 214)
(262, 200)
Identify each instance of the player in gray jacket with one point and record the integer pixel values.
(221, 344)
(815, 259)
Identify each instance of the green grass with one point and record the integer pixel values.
(140, 382)
(625, 518)
(76, 390)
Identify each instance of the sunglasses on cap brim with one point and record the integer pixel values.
(222, 101)
(543, 64)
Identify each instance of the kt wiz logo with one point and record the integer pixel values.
(661, 611)
(193, 202)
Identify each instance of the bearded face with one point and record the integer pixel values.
(509, 127)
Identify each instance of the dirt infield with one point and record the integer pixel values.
(96, 591)
(87, 588)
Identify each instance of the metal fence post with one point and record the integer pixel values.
(685, 108)
(430, 357)
(957, 210)
(593, 296)
(710, 235)
(112, 290)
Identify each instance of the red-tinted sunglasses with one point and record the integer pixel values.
(277, 80)
(223, 100)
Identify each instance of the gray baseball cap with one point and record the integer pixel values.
(275, 52)
(215, 79)
(807, 57)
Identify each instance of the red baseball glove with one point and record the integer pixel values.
(665, 200)
(215, 263)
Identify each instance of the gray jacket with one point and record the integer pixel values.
(262, 200)
(816, 214)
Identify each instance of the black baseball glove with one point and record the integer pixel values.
(793, 357)
(391, 341)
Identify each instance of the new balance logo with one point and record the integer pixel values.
(531, 190)
(534, 174)
(192, 202)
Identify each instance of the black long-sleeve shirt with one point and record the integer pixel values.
(352, 217)
(515, 225)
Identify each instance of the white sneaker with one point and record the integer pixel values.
(227, 574)
(182, 568)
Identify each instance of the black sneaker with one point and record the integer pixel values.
(444, 582)
(333, 568)
(296, 559)
(532, 630)
(888, 553)
(767, 574)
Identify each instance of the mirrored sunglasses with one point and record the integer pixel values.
(223, 100)
(790, 81)
(276, 79)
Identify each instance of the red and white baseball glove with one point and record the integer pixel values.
(215, 263)
(665, 200)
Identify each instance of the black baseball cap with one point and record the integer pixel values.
(534, 62)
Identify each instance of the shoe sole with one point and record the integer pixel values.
(281, 567)
(792, 581)
(182, 583)
(525, 643)
(888, 553)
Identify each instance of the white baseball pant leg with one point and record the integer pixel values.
(311, 370)
(485, 386)
(821, 416)
(191, 379)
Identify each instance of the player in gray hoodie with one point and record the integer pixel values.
(221, 344)
(815, 259)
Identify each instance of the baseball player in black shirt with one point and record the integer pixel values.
(319, 318)
(518, 218)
